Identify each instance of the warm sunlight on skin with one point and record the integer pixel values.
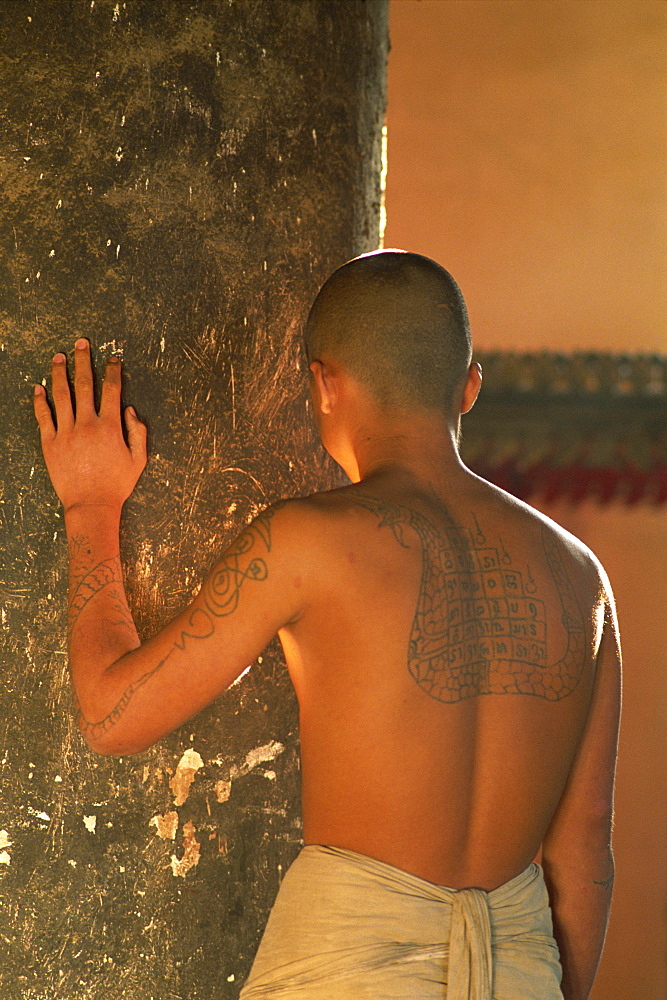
(427, 618)
(425, 436)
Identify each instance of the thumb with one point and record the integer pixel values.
(136, 435)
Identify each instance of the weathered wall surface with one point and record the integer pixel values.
(178, 179)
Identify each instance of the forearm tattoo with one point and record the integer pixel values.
(96, 579)
(480, 626)
(243, 561)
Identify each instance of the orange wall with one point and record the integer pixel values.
(526, 143)
(527, 146)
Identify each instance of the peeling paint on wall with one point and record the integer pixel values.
(257, 756)
(223, 789)
(5, 856)
(165, 826)
(191, 851)
(186, 770)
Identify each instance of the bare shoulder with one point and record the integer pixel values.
(297, 521)
(298, 528)
(564, 553)
(326, 509)
(553, 534)
(318, 530)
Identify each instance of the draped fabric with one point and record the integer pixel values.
(347, 927)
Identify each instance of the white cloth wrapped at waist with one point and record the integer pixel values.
(348, 926)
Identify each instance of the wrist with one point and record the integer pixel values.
(92, 518)
(93, 506)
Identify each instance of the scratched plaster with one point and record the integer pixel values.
(177, 181)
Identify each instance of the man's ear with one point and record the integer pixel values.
(326, 387)
(472, 387)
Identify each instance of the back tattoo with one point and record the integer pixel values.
(479, 625)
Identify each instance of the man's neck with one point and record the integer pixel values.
(423, 448)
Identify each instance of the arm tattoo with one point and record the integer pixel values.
(106, 572)
(241, 562)
(223, 587)
(479, 626)
(606, 883)
(122, 617)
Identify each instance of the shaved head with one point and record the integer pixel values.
(398, 324)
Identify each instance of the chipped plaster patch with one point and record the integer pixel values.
(186, 770)
(90, 822)
(116, 348)
(165, 826)
(269, 751)
(181, 866)
(40, 815)
(223, 789)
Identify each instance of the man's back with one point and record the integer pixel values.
(454, 653)
(444, 664)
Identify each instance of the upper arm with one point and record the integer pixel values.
(250, 593)
(583, 819)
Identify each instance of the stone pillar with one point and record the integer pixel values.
(178, 179)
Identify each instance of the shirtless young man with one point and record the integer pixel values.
(455, 656)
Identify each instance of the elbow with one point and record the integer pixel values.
(114, 735)
(108, 742)
(104, 750)
(583, 840)
(579, 855)
(575, 878)
(114, 748)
